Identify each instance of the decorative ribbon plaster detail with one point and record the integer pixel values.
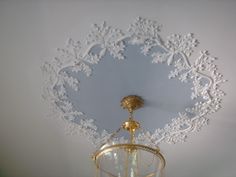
(176, 51)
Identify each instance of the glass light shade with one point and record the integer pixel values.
(129, 160)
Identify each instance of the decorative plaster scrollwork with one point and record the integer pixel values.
(176, 51)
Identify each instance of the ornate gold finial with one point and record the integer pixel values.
(132, 102)
(131, 125)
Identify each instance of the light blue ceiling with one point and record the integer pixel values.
(100, 94)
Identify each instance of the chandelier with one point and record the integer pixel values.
(129, 158)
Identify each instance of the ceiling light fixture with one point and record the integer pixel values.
(128, 158)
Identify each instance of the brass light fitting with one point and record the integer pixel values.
(123, 159)
(131, 103)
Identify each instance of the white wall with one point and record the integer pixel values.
(34, 146)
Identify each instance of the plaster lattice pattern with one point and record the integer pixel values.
(176, 50)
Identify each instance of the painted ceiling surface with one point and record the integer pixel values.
(196, 82)
(52, 84)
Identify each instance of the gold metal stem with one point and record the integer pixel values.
(132, 139)
(127, 163)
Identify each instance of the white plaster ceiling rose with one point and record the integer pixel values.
(77, 56)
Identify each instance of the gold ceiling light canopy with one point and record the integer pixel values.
(128, 159)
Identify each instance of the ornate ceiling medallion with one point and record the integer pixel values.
(175, 50)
